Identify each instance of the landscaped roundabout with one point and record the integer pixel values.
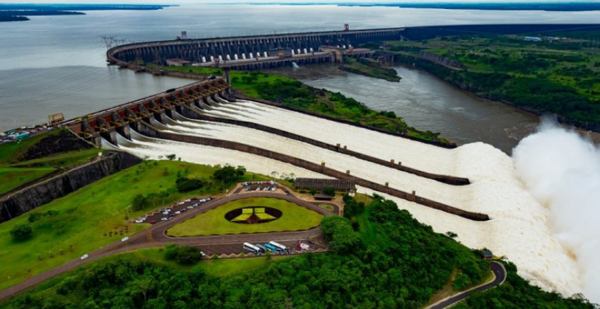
(249, 215)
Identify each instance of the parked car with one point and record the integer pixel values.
(125, 238)
(152, 222)
(177, 212)
(202, 253)
(85, 256)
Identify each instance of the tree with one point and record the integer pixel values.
(171, 252)
(329, 191)
(185, 184)
(313, 191)
(171, 157)
(229, 174)
(21, 232)
(188, 255)
(139, 202)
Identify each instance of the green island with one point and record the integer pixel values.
(369, 67)
(380, 258)
(42, 155)
(213, 222)
(559, 74)
(292, 93)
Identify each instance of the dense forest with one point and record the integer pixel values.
(557, 75)
(381, 258)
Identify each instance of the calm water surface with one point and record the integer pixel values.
(57, 63)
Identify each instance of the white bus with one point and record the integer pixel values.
(278, 246)
(252, 248)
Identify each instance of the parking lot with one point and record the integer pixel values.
(167, 213)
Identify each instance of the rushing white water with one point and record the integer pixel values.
(562, 171)
(417, 155)
(143, 146)
(519, 226)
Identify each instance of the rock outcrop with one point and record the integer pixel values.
(22, 201)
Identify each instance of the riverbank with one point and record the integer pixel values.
(556, 75)
(370, 67)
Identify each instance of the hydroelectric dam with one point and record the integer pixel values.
(471, 190)
(253, 52)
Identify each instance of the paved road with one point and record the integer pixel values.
(500, 276)
(156, 236)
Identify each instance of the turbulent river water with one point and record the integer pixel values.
(518, 228)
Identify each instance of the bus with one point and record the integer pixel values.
(262, 248)
(252, 248)
(270, 247)
(279, 247)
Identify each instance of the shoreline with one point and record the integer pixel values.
(586, 133)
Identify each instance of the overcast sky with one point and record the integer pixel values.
(269, 1)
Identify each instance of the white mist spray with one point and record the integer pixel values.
(562, 171)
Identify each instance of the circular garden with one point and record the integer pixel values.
(249, 215)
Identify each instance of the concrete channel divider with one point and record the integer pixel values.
(450, 180)
(148, 130)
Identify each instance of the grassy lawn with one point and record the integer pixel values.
(14, 177)
(16, 171)
(213, 222)
(218, 268)
(87, 217)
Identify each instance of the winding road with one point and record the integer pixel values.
(499, 273)
(156, 236)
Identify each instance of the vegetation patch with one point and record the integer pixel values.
(371, 68)
(559, 76)
(403, 268)
(94, 216)
(214, 222)
(31, 159)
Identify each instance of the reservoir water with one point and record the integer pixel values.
(56, 64)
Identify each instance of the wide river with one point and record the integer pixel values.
(57, 64)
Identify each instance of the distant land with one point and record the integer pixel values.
(496, 6)
(19, 12)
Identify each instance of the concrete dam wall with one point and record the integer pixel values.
(22, 201)
(246, 47)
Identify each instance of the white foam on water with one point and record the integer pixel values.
(154, 148)
(562, 171)
(519, 226)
